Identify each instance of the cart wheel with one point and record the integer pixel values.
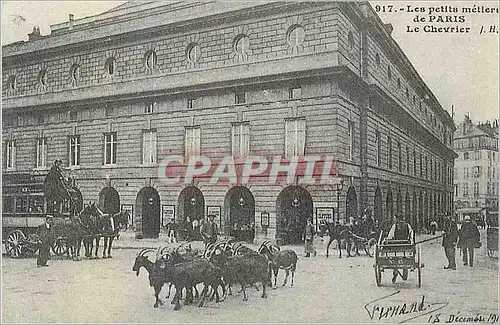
(59, 247)
(351, 247)
(370, 247)
(419, 266)
(34, 241)
(13, 243)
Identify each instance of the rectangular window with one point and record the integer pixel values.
(110, 148)
(192, 141)
(295, 93)
(73, 115)
(407, 160)
(190, 103)
(295, 137)
(466, 155)
(40, 118)
(414, 162)
(389, 152)
(420, 163)
(426, 168)
(489, 171)
(74, 150)
(149, 146)
(41, 152)
(489, 155)
(476, 189)
(477, 155)
(149, 107)
(400, 158)
(457, 190)
(476, 171)
(240, 140)
(10, 154)
(466, 172)
(351, 130)
(378, 155)
(493, 172)
(466, 189)
(239, 97)
(494, 156)
(108, 111)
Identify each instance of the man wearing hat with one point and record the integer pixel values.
(210, 230)
(450, 236)
(469, 237)
(400, 230)
(44, 231)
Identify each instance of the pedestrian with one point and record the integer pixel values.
(468, 240)
(450, 236)
(308, 238)
(196, 229)
(44, 231)
(172, 232)
(433, 225)
(400, 230)
(210, 230)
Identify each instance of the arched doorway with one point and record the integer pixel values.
(407, 208)
(389, 209)
(351, 204)
(109, 200)
(147, 207)
(377, 207)
(293, 206)
(399, 203)
(191, 204)
(239, 206)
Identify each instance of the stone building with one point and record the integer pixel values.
(114, 95)
(475, 172)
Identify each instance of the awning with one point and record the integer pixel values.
(469, 210)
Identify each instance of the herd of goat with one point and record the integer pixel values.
(222, 265)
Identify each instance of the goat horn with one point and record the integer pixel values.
(145, 250)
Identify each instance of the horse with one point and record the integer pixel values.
(90, 219)
(111, 225)
(340, 233)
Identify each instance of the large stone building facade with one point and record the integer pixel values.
(115, 94)
(475, 172)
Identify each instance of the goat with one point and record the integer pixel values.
(245, 270)
(286, 260)
(187, 275)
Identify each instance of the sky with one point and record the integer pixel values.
(460, 69)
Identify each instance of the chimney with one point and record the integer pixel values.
(70, 24)
(35, 34)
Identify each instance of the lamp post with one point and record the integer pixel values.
(339, 186)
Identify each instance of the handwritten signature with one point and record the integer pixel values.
(407, 310)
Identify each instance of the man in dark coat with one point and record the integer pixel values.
(210, 230)
(450, 236)
(308, 238)
(469, 236)
(400, 230)
(44, 231)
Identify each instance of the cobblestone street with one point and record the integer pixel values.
(326, 290)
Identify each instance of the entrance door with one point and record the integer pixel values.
(293, 206)
(109, 200)
(240, 203)
(147, 205)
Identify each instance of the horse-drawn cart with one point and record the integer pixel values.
(397, 255)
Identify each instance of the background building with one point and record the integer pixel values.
(476, 178)
(114, 94)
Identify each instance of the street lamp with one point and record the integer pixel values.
(193, 201)
(241, 201)
(339, 186)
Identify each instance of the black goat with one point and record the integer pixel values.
(286, 260)
(187, 275)
(244, 270)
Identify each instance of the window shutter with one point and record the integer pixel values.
(246, 140)
(153, 147)
(144, 147)
(78, 150)
(115, 144)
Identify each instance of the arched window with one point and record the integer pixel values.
(42, 77)
(74, 73)
(399, 83)
(150, 60)
(110, 66)
(241, 44)
(12, 82)
(193, 52)
(389, 72)
(296, 35)
(377, 60)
